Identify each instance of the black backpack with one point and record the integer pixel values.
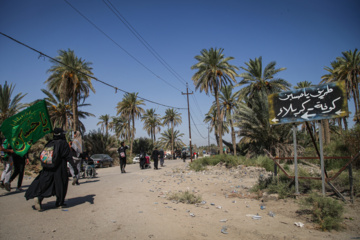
(48, 155)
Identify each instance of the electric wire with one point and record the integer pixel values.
(96, 79)
(129, 54)
(197, 128)
(143, 41)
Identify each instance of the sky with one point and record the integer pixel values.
(302, 36)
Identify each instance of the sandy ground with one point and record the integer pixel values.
(135, 206)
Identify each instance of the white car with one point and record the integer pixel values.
(136, 159)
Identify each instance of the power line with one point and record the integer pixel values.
(197, 128)
(143, 41)
(99, 29)
(96, 79)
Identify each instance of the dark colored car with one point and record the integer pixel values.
(102, 160)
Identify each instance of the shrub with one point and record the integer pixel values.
(185, 197)
(265, 162)
(325, 211)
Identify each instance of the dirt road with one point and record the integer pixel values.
(135, 206)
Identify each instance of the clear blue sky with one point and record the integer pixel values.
(303, 36)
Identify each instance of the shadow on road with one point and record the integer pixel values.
(72, 202)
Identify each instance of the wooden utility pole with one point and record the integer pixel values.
(187, 94)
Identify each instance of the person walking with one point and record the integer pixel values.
(161, 156)
(76, 149)
(122, 155)
(155, 157)
(142, 157)
(19, 167)
(7, 160)
(183, 155)
(53, 179)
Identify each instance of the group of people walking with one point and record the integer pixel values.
(144, 160)
(53, 178)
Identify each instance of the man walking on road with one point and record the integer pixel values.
(161, 156)
(155, 157)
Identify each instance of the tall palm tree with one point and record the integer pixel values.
(71, 79)
(214, 71)
(173, 118)
(9, 106)
(168, 137)
(152, 123)
(258, 79)
(347, 68)
(228, 104)
(119, 125)
(104, 123)
(130, 107)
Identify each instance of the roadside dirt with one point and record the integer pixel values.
(135, 205)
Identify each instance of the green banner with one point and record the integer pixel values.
(24, 128)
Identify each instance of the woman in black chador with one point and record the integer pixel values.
(53, 181)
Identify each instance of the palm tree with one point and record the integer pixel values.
(9, 106)
(97, 142)
(227, 104)
(255, 130)
(119, 125)
(214, 71)
(258, 80)
(168, 137)
(59, 111)
(303, 84)
(347, 68)
(152, 123)
(104, 123)
(71, 79)
(211, 119)
(130, 107)
(173, 118)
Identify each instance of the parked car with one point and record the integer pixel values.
(102, 160)
(136, 159)
(168, 156)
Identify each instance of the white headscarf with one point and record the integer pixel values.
(77, 143)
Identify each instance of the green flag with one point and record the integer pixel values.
(24, 128)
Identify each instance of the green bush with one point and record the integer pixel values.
(185, 197)
(273, 185)
(265, 162)
(325, 211)
(228, 160)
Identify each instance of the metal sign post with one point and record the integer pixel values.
(322, 158)
(295, 161)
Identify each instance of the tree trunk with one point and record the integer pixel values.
(172, 139)
(129, 128)
(219, 122)
(75, 112)
(233, 138)
(345, 123)
(132, 133)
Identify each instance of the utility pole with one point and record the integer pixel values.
(187, 94)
